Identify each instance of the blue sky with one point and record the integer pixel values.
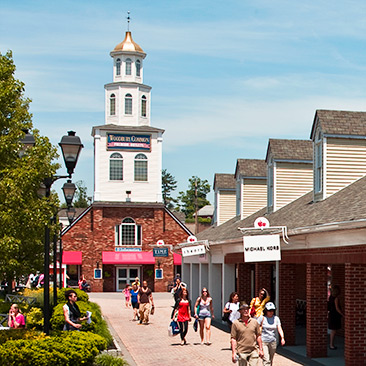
(226, 76)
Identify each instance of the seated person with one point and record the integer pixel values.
(16, 319)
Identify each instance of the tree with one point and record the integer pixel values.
(196, 194)
(169, 184)
(81, 199)
(23, 215)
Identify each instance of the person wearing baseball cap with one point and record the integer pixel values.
(270, 324)
(246, 341)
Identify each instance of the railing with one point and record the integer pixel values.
(20, 299)
(3, 320)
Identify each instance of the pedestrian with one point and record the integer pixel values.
(335, 314)
(246, 341)
(127, 292)
(258, 303)
(146, 303)
(183, 308)
(232, 308)
(134, 302)
(83, 284)
(15, 318)
(71, 312)
(204, 314)
(137, 282)
(270, 324)
(177, 289)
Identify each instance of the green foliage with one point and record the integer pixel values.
(23, 215)
(34, 318)
(82, 295)
(109, 360)
(68, 348)
(81, 196)
(169, 184)
(195, 197)
(202, 220)
(13, 334)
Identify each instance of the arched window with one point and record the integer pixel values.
(141, 168)
(138, 67)
(143, 106)
(128, 233)
(112, 105)
(128, 104)
(116, 167)
(118, 66)
(128, 66)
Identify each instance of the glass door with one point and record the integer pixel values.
(126, 275)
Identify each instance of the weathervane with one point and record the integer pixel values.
(128, 21)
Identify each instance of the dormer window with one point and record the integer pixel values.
(128, 104)
(318, 160)
(143, 106)
(138, 68)
(112, 105)
(118, 67)
(128, 66)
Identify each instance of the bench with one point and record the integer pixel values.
(20, 299)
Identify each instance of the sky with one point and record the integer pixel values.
(225, 76)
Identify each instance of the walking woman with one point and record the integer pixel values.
(183, 307)
(258, 303)
(334, 314)
(270, 325)
(204, 315)
(232, 308)
(134, 302)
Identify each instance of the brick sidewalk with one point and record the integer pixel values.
(150, 345)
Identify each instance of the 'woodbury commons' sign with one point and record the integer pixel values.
(125, 141)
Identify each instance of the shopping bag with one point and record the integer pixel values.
(174, 329)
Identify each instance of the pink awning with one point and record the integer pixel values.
(177, 259)
(71, 257)
(128, 258)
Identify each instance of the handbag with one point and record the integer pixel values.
(252, 312)
(225, 317)
(152, 311)
(174, 329)
(195, 325)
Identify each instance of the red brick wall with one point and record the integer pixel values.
(244, 282)
(287, 305)
(263, 277)
(316, 310)
(355, 322)
(95, 231)
(300, 281)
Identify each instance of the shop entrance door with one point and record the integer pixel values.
(126, 275)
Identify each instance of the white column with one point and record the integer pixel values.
(228, 282)
(97, 165)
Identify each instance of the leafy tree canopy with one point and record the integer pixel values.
(81, 195)
(23, 215)
(194, 196)
(169, 184)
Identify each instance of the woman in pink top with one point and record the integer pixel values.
(16, 319)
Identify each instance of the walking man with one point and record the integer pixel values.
(246, 341)
(144, 299)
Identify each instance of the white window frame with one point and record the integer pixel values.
(112, 104)
(118, 67)
(128, 104)
(138, 67)
(119, 158)
(128, 222)
(143, 106)
(128, 69)
(141, 158)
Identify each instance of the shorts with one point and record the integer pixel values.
(135, 305)
(203, 317)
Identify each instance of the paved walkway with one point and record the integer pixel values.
(150, 345)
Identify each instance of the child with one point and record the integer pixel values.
(127, 294)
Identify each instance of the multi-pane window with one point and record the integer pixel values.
(128, 104)
(118, 66)
(143, 106)
(112, 105)
(116, 167)
(128, 66)
(138, 67)
(141, 168)
(128, 233)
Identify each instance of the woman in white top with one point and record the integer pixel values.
(270, 325)
(205, 313)
(232, 308)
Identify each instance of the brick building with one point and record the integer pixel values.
(113, 241)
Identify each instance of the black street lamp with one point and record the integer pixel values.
(71, 213)
(27, 141)
(71, 146)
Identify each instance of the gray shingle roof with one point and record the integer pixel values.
(251, 168)
(340, 123)
(348, 204)
(290, 149)
(224, 181)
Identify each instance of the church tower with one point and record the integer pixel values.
(127, 150)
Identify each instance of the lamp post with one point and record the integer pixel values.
(71, 146)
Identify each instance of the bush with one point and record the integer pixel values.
(34, 318)
(82, 295)
(13, 334)
(69, 348)
(109, 360)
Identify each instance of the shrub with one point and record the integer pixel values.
(13, 334)
(34, 318)
(109, 360)
(69, 348)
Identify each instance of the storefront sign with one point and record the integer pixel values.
(158, 274)
(194, 250)
(160, 252)
(262, 248)
(124, 141)
(97, 273)
(118, 249)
